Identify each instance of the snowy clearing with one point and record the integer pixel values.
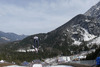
(61, 66)
(87, 36)
(14, 66)
(38, 65)
(96, 41)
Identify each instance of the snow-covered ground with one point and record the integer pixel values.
(38, 65)
(87, 36)
(95, 41)
(61, 66)
(28, 50)
(76, 42)
(14, 66)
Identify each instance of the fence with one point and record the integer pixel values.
(87, 62)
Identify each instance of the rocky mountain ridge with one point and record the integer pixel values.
(9, 37)
(94, 11)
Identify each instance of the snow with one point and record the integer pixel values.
(87, 36)
(87, 20)
(98, 8)
(77, 42)
(68, 30)
(50, 60)
(75, 32)
(95, 41)
(91, 51)
(37, 65)
(28, 50)
(68, 59)
(61, 66)
(82, 57)
(14, 66)
(5, 38)
(62, 59)
(2, 61)
(21, 50)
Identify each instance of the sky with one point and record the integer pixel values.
(39, 16)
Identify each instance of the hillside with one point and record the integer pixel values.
(70, 38)
(9, 37)
(78, 34)
(73, 36)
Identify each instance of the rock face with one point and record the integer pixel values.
(94, 11)
(80, 28)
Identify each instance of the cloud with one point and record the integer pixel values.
(36, 16)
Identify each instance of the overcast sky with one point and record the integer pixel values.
(39, 16)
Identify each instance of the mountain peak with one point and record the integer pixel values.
(94, 11)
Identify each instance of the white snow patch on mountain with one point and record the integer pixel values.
(50, 60)
(21, 50)
(87, 20)
(97, 8)
(5, 38)
(95, 41)
(75, 32)
(87, 36)
(76, 42)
